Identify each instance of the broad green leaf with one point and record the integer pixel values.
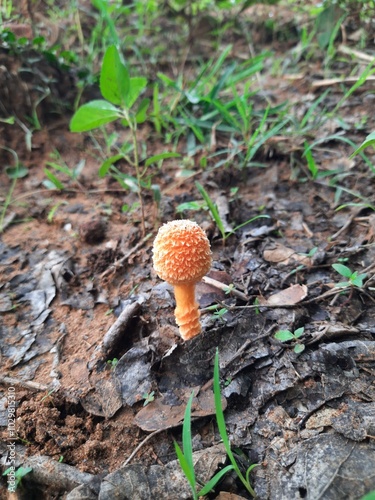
(358, 280)
(343, 270)
(141, 114)
(299, 332)
(93, 115)
(369, 141)
(161, 156)
(284, 335)
(106, 165)
(136, 85)
(16, 172)
(299, 348)
(114, 78)
(342, 284)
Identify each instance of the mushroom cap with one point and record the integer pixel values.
(182, 252)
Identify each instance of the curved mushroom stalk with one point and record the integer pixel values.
(187, 311)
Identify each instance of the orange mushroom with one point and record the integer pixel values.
(182, 256)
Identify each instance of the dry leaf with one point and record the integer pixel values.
(281, 254)
(288, 297)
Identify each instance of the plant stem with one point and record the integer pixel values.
(133, 128)
(7, 202)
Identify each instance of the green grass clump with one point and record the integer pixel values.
(185, 455)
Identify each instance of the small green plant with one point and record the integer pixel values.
(14, 173)
(220, 313)
(216, 216)
(185, 455)
(19, 474)
(120, 93)
(148, 397)
(353, 278)
(53, 182)
(369, 141)
(112, 363)
(287, 335)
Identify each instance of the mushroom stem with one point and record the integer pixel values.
(187, 310)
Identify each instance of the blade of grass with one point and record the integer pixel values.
(189, 473)
(214, 480)
(212, 207)
(222, 427)
(186, 435)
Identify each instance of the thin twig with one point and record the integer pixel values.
(225, 288)
(123, 259)
(26, 384)
(142, 443)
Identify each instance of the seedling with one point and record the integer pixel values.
(120, 93)
(287, 335)
(53, 182)
(353, 278)
(185, 456)
(216, 216)
(148, 397)
(19, 474)
(220, 313)
(112, 363)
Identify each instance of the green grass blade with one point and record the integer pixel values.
(186, 435)
(212, 207)
(220, 414)
(189, 473)
(222, 427)
(214, 480)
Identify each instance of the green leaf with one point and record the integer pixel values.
(212, 207)
(186, 435)
(141, 115)
(189, 473)
(369, 141)
(136, 85)
(343, 270)
(298, 348)
(55, 181)
(16, 172)
(161, 156)
(214, 480)
(284, 335)
(93, 115)
(299, 332)
(10, 120)
(358, 280)
(106, 165)
(114, 78)
(342, 284)
(189, 205)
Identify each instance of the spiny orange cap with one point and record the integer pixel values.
(182, 252)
